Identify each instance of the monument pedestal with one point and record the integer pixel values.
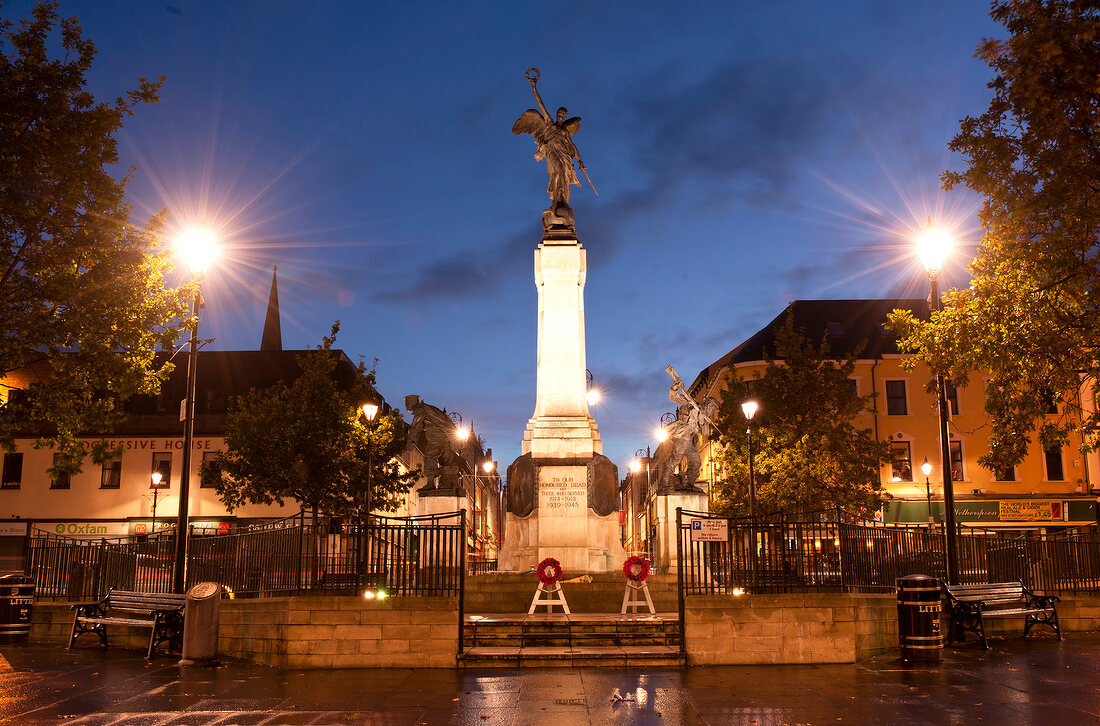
(565, 525)
(442, 501)
(668, 538)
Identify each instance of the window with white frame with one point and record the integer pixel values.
(901, 461)
(1053, 459)
(162, 464)
(896, 404)
(12, 471)
(952, 395)
(957, 472)
(110, 476)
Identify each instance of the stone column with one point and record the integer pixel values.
(562, 427)
(562, 491)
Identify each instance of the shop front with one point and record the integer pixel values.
(1007, 513)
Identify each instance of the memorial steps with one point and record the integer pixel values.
(499, 633)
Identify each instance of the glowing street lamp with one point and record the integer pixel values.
(157, 476)
(933, 247)
(370, 412)
(591, 393)
(198, 248)
(926, 467)
(749, 409)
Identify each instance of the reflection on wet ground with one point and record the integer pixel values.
(1018, 681)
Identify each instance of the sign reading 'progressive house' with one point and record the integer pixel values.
(1025, 510)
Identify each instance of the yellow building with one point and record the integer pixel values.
(1054, 488)
(119, 498)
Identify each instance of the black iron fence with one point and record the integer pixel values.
(831, 551)
(400, 555)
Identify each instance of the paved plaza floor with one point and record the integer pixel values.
(1037, 681)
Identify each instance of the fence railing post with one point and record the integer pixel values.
(680, 579)
(461, 582)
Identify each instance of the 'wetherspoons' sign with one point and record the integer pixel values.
(710, 530)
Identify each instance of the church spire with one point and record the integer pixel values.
(273, 335)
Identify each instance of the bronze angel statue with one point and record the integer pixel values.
(555, 144)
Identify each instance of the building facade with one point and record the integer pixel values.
(1048, 489)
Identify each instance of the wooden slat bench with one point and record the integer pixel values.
(161, 612)
(969, 605)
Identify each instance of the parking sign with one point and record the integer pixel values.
(709, 530)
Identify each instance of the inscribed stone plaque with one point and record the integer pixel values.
(563, 491)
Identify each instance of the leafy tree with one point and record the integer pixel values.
(807, 453)
(83, 301)
(1031, 316)
(307, 440)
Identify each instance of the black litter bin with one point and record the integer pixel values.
(16, 598)
(919, 618)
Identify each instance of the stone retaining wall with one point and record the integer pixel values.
(826, 628)
(342, 632)
(789, 628)
(346, 632)
(305, 631)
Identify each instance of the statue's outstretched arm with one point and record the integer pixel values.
(533, 78)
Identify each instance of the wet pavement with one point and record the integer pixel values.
(1037, 681)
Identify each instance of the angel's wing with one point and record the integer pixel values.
(530, 122)
(572, 125)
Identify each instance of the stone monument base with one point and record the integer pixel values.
(667, 547)
(566, 524)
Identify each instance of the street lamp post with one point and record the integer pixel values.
(932, 248)
(749, 409)
(370, 411)
(926, 467)
(157, 476)
(635, 467)
(197, 246)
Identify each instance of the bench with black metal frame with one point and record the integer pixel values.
(161, 612)
(969, 605)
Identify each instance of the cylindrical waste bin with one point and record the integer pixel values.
(16, 601)
(200, 623)
(919, 618)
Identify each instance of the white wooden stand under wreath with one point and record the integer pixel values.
(548, 596)
(631, 599)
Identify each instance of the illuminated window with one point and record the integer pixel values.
(901, 466)
(896, 404)
(957, 473)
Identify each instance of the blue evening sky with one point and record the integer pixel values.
(746, 154)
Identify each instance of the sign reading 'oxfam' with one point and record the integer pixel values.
(89, 529)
